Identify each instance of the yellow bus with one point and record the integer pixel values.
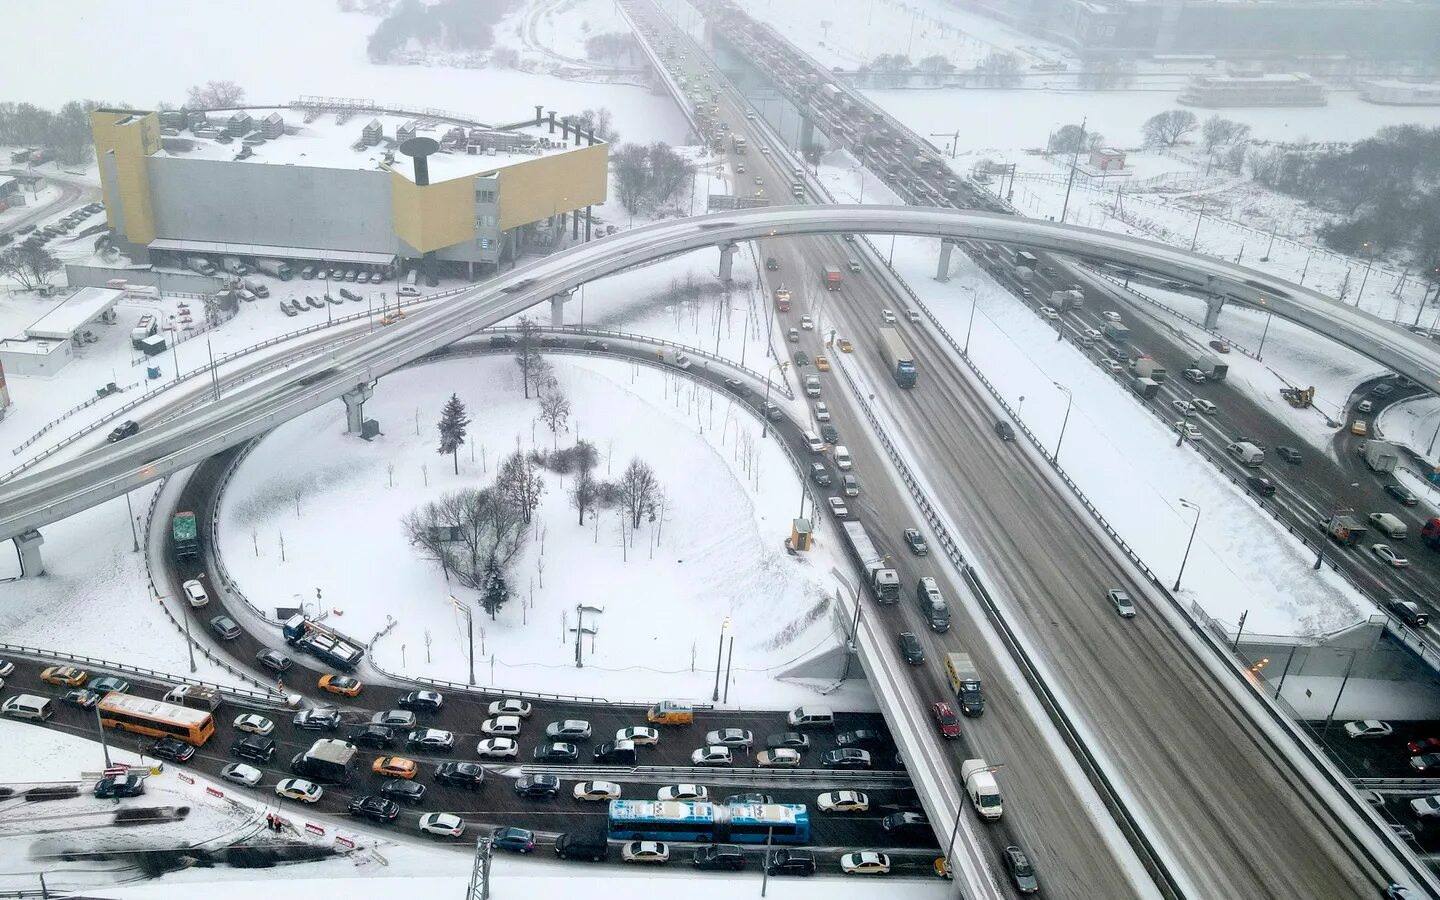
(156, 718)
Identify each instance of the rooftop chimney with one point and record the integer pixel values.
(538, 114)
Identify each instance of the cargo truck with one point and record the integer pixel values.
(965, 682)
(147, 326)
(737, 145)
(1117, 332)
(1145, 367)
(832, 278)
(1214, 369)
(328, 760)
(1379, 456)
(898, 358)
(782, 300)
(234, 266)
(194, 696)
(200, 264)
(1145, 387)
(255, 286)
(322, 643)
(1026, 259)
(276, 268)
(1074, 298)
(184, 536)
(1344, 530)
(882, 581)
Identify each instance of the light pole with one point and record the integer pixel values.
(1365, 248)
(130, 513)
(720, 648)
(580, 611)
(765, 410)
(955, 829)
(1193, 528)
(469, 631)
(1069, 399)
(1260, 352)
(974, 300)
(1196, 236)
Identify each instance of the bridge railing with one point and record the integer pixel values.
(151, 676)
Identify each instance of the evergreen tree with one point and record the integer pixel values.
(453, 423)
(497, 590)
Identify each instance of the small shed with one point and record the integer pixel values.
(405, 132)
(800, 534)
(372, 133)
(272, 126)
(240, 122)
(1107, 159)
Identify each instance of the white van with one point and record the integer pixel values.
(501, 726)
(27, 706)
(1391, 525)
(408, 291)
(841, 453)
(812, 385)
(813, 440)
(981, 788)
(811, 717)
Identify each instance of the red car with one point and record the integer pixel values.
(1424, 745)
(945, 719)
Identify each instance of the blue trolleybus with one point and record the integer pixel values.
(743, 823)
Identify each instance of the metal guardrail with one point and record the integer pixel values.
(1101, 273)
(15, 451)
(212, 551)
(872, 778)
(1415, 786)
(165, 679)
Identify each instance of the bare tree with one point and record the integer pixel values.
(1217, 132)
(585, 494)
(520, 484)
(632, 175)
(30, 266)
(1167, 128)
(1343, 290)
(554, 411)
(215, 95)
(638, 489)
(465, 531)
(527, 354)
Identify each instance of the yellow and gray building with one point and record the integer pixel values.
(316, 183)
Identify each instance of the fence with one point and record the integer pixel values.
(164, 679)
(213, 551)
(70, 412)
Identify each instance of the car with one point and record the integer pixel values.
(225, 628)
(375, 808)
(1290, 455)
(683, 792)
(771, 411)
(1365, 406)
(519, 840)
(394, 718)
(172, 749)
(501, 725)
(273, 660)
(317, 719)
(1183, 407)
(1261, 485)
(377, 737)
(807, 323)
(730, 737)
(253, 724)
(912, 315)
(1185, 428)
(639, 734)
(887, 316)
(7, 668)
(1368, 729)
(711, 756)
(726, 857)
(945, 719)
(595, 344)
(828, 434)
(801, 358)
(905, 823)
(466, 775)
(596, 791)
(403, 791)
(911, 648)
(432, 739)
(822, 411)
(1194, 376)
(299, 789)
(1426, 762)
(1382, 390)
(838, 507)
(1120, 600)
(865, 738)
(1111, 315)
(822, 362)
(503, 340)
(394, 767)
(645, 852)
(916, 542)
(845, 345)
(556, 751)
(845, 758)
(1423, 745)
(195, 593)
(114, 788)
(81, 697)
(792, 740)
(1004, 431)
(569, 730)
(1408, 612)
(820, 475)
(749, 117)
(735, 384)
(780, 758)
(869, 862)
(255, 748)
(442, 824)
(786, 861)
(421, 701)
(772, 264)
(1399, 492)
(543, 787)
(1205, 406)
(1022, 873)
(65, 676)
(240, 773)
(128, 428)
(1388, 555)
(793, 335)
(510, 707)
(1113, 366)
(497, 748)
(748, 799)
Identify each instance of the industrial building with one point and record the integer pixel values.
(330, 181)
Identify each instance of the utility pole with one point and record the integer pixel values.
(1074, 162)
(469, 631)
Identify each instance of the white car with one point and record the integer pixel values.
(242, 774)
(597, 790)
(887, 316)
(683, 792)
(1369, 728)
(913, 316)
(1189, 430)
(1426, 807)
(1112, 315)
(711, 756)
(500, 725)
(807, 323)
(639, 734)
(497, 748)
(843, 801)
(568, 730)
(780, 758)
(1048, 312)
(1205, 406)
(1092, 334)
(443, 824)
(1114, 366)
(1183, 407)
(254, 724)
(6, 667)
(822, 412)
(730, 737)
(510, 707)
(868, 862)
(645, 852)
(838, 507)
(195, 593)
(1388, 554)
(299, 789)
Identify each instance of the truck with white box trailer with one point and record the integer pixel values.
(275, 267)
(882, 581)
(1379, 456)
(898, 358)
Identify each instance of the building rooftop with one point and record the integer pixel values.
(323, 143)
(75, 312)
(33, 346)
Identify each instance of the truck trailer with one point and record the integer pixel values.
(184, 536)
(1145, 367)
(965, 682)
(882, 581)
(898, 358)
(328, 760)
(832, 278)
(1379, 456)
(1117, 332)
(274, 267)
(1074, 298)
(323, 643)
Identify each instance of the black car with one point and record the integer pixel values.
(377, 737)
(551, 340)
(402, 790)
(593, 847)
(1382, 390)
(273, 660)
(502, 340)
(1408, 612)
(911, 648)
(820, 475)
(421, 701)
(225, 628)
(906, 823)
(802, 358)
(123, 786)
(317, 719)
(1290, 455)
(772, 264)
(125, 429)
(255, 748)
(740, 799)
(916, 542)
(543, 787)
(828, 434)
(595, 344)
(1017, 866)
(845, 758)
(82, 697)
(1262, 486)
(556, 751)
(172, 750)
(521, 840)
(375, 808)
(1398, 491)
(726, 857)
(466, 775)
(1004, 431)
(865, 738)
(791, 862)
(792, 740)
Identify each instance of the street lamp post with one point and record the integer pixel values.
(469, 632)
(1069, 399)
(580, 611)
(971, 324)
(130, 513)
(1186, 558)
(1260, 352)
(719, 649)
(765, 410)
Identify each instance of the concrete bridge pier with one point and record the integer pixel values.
(942, 271)
(807, 134)
(1213, 305)
(355, 407)
(557, 308)
(727, 260)
(28, 546)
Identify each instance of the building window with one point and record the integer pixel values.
(487, 221)
(484, 243)
(484, 196)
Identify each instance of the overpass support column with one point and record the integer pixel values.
(807, 133)
(28, 546)
(942, 271)
(727, 259)
(1213, 305)
(557, 308)
(355, 407)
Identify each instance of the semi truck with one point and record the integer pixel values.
(184, 536)
(882, 581)
(1026, 259)
(328, 760)
(1379, 456)
(200, 264)
(965, 682)
(1145, 367)
(832, 278)
(898, 358)
(275, 267)
(323, 643)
